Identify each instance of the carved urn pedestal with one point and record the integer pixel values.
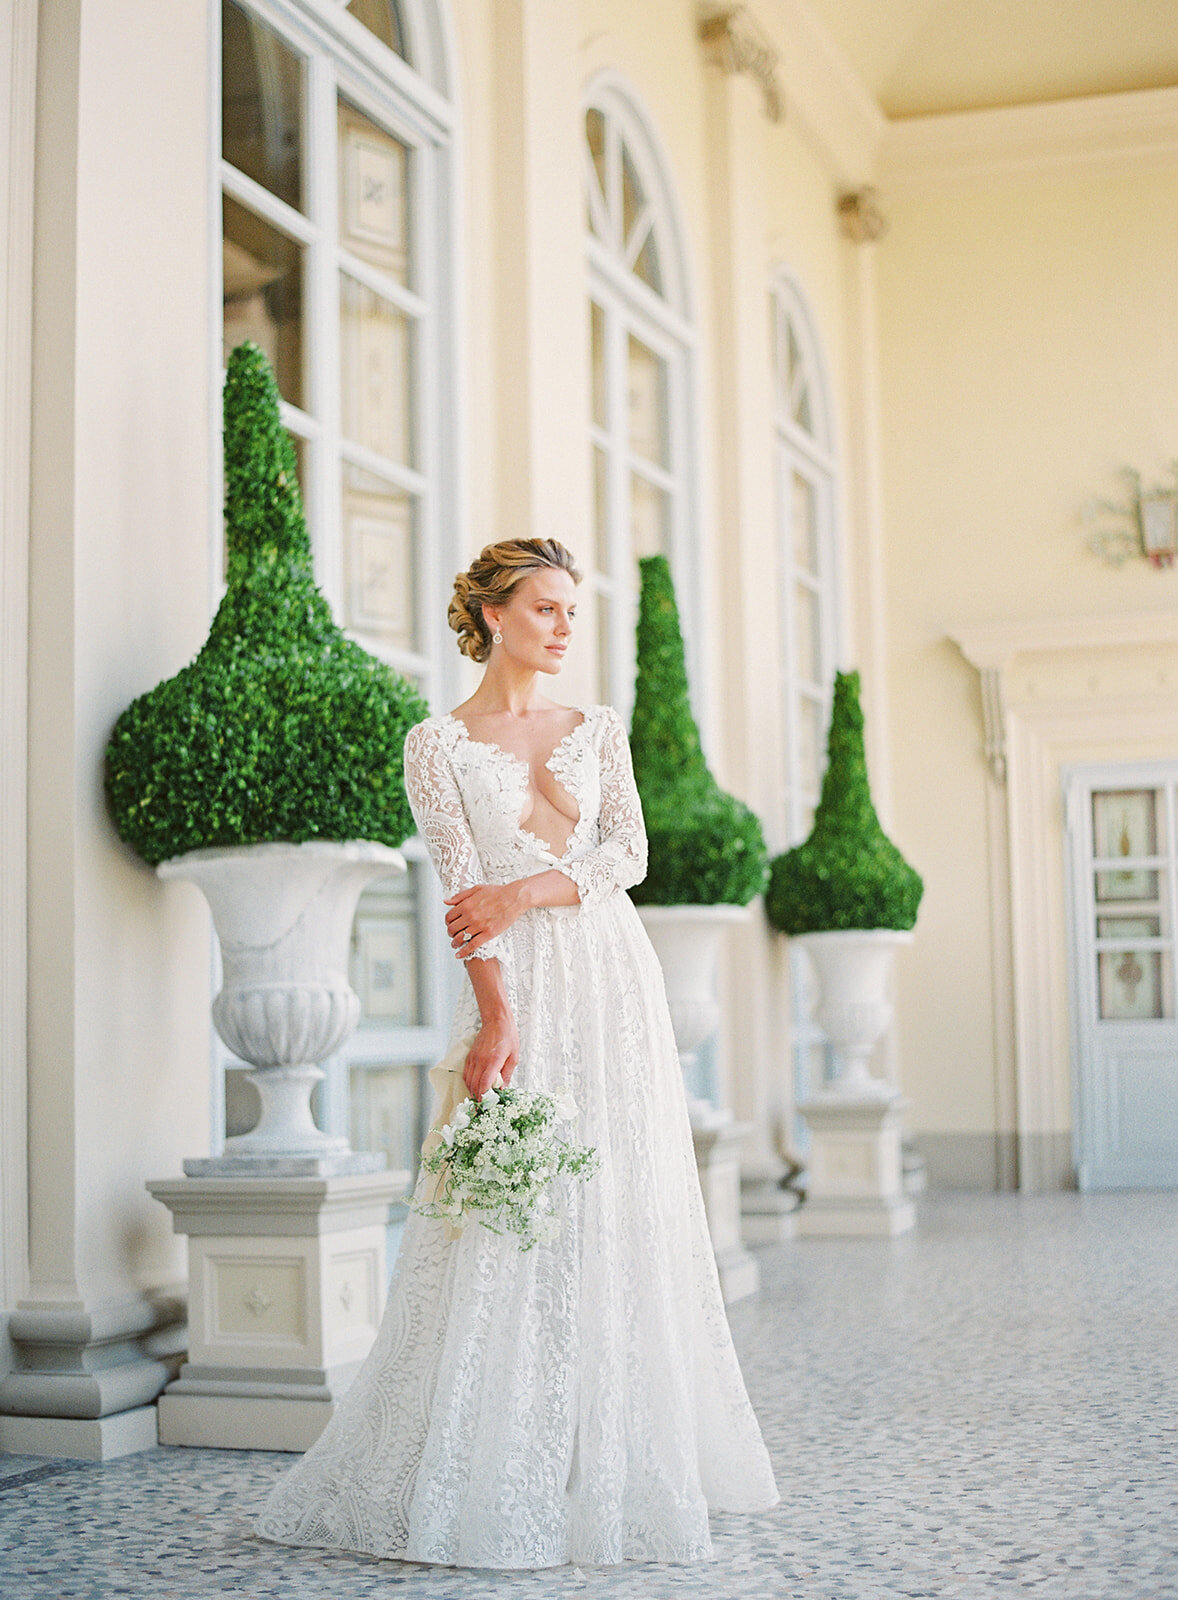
(856, 1183)
(286, 1284)
(687, 942)
(287, 1228)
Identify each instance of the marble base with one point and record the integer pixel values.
(87, 1439)
(717, 1155)
(856, 1185)
(769, 1213)
(86, 1374)
(344, 1165)
(287, 1281)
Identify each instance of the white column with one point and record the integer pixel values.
(18, 50)
(118, 598)
(742, 562)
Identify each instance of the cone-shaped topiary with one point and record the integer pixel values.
(848, 873)
(706, 847)
(281, 728)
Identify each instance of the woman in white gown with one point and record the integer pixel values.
(580, 1401)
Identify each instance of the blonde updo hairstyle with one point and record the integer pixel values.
(491, 580)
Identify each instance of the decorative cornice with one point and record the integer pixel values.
(993, 648)
(860, 217)
(996, 644)
(734, 42)
(1112, 132)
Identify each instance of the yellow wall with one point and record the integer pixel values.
(1029, 348)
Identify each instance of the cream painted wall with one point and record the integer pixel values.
(118, 1002)
(1029, 348)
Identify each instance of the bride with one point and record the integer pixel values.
(580, 1401)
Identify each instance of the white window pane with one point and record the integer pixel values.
(375, 371)
(382, 18)
(596, 557)
(385, 1112)
(1130, 985)
(378, 521)
(605, 687)
(1124, 822)
(810, 744)
(263, 288)
(647, 266)
(807, 634)
(647, 387)
(384, 954)
(804, 516)
(649, 518)
(261, 104)
(595, 139)
(597, 362)
(373, 194)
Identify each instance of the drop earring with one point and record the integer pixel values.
(496, 637)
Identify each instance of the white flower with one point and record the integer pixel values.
(448, 1136)
(564, 1107)
(490, 1098)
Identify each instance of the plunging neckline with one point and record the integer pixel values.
(518, 761)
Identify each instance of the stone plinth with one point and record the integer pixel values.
(287, 1283)
(769, 1211)
(717, 1155)
(856, 1173)
(86, 1376)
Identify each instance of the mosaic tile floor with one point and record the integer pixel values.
(986, 1407)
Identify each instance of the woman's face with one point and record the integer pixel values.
(537, 621)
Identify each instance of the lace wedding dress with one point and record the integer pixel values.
(580, 1401)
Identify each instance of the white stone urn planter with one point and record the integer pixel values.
(854, 969)
(686, 940)
(283, 914)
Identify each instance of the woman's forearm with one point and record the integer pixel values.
(551, 888)
(486, 979)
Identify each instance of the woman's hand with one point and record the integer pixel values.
(494, 1052)
(481, 912)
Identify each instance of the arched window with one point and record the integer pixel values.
(335, 174)
(641, 345)
(806, 509)
(806, 482)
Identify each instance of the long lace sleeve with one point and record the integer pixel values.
(618, 861)
(436, 803)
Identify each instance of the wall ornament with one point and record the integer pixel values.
(1145, 524)
(734, 41)
(860, 217)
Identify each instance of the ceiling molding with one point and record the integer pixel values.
(1113, 132)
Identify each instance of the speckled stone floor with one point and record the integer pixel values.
(986, 1407)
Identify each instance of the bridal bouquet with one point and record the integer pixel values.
(495, 1158)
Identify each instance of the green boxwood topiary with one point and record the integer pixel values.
(706, 847)
(281, 728)
(848, 873)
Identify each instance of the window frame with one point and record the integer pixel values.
(664, 323)
(341, 57)
(811, 454)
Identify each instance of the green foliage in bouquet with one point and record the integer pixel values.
(281, 728)
(706, 847)
(848, 873)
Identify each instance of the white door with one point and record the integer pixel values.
(1121, 833)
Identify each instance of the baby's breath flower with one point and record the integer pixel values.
(497, 1157)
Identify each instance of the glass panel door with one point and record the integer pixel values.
(1124, 977)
